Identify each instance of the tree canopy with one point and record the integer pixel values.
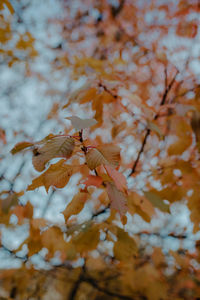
(122, 153)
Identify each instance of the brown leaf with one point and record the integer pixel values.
(57, 175)
(59, 146)
(117, 198)
(75, 206)
(81, 123)
(103, 155)
(21, 146)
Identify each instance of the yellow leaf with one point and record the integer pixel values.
(57, 175)
(103, 155)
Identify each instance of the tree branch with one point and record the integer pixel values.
(94, 283)
(148, 131)
(76, 285)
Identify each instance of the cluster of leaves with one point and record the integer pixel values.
(145, 130)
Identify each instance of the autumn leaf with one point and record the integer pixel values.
(75, 206)
(117, 199)
(87, 239)
(140, 205)
(79, 123)
(59, 146)
(125, 247)
(93, 180)
(107, 154)
(157, 201)
(53, 240)
(154, 127)
(21, 146)
(84, 94)
(57, 175)
(118, 178)
(182, 132)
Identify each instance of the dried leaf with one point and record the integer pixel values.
(103, 155)
(75, 206)
(59, 146)
(81, 123)
(117, 198)
(57, 175)
(21, 146)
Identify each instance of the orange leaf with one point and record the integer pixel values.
(75, 206)
(93, 180)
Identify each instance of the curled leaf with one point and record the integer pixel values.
(21, 146)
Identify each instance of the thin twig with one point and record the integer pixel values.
(148, 131)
